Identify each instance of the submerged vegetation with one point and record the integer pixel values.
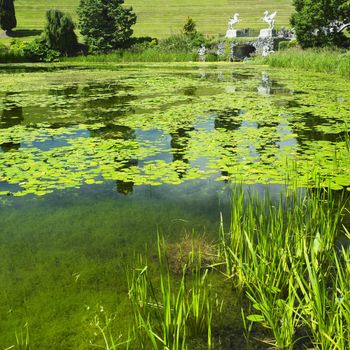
(282, 256)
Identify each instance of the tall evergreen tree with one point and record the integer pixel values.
(105, 24)
(8, 19)
(59, 32)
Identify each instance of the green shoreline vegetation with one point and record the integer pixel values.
(333, 61)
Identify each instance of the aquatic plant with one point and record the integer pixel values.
(74, 146)
(278, 253)
(169, 316)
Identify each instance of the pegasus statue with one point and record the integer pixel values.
(269, 19)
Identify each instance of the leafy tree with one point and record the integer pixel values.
(7, 15)
(105, 24)
(316, 22)
(190, 27)
(59, 32)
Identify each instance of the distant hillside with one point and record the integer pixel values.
(160, 18)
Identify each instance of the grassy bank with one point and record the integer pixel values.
(161, 18)
(324, 61)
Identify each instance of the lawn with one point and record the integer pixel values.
(159, 18)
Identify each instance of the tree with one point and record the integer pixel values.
(318, 23)
(190, 27)
(59, 32)
(105, 24)
(7, 15)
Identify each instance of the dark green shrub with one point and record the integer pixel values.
(37, 51)
(7, 15)
(181, 43)
(59, 33)
(105, 24)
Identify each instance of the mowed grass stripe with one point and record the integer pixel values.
(161, 18)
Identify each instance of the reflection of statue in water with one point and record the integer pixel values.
(179, 143)
(119, 132)
(10, 117)
(265, 86)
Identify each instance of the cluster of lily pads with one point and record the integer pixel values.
(165, 125)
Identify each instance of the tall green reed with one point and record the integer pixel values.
(317, 60)
(169, 316)
(267, 255)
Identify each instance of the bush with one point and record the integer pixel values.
(182, 43)
(38, 51)
(59, 32)
(287, 44)
(143, 43)
(105, 24)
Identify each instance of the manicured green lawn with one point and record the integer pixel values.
(160, 18)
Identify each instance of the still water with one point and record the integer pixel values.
(94, 161)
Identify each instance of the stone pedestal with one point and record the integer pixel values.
(231, 33)
(265, 33)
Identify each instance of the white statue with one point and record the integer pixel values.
(269, 19)
(231, 32)
(233, 20)
(202, 52)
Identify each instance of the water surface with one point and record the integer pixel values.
(94, 161)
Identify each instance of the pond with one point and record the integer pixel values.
(95, 160)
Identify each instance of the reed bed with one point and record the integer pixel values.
(282, 255)
(316, 60)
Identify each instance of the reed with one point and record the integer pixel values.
(316, 60)
(276, 253)
(169, 316)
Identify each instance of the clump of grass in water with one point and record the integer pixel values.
(280, 255)
(171, 316)
(186, 250)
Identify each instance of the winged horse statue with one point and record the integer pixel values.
(233, 20)
(269, 19)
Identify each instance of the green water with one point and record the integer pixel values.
(95, 160)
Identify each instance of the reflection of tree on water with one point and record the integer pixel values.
(105, 101)
(66, 91)
(179, 144)
(229, 120)
(119, 132)
(305, 128)
(11, 115)
(268, 141)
